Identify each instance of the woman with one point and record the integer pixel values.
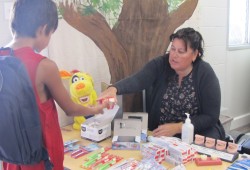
(178, 82)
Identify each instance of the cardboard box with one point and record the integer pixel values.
(95, 133)
(143, 116)
(98, 127)
(127, 134)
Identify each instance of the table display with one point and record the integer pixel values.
(76, 164)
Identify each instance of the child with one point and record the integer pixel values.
(32, 24)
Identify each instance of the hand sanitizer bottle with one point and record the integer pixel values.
(187, 133)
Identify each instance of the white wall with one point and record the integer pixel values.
(211, 19)
(71, 50)
(238, 87)
(5, 34)
(231, 67)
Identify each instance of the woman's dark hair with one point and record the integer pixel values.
(28, 15)
(190, 37)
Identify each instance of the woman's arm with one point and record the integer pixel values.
(137, 82)
(209, 97)
(143, 79)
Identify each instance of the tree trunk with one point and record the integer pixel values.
(142, 33)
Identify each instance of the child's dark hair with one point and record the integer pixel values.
(190, 37)
(28, 15)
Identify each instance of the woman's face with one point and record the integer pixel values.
(180, 58)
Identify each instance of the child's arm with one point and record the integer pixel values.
(48, 76)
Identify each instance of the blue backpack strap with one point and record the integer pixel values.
(47, 163)
(11, 51)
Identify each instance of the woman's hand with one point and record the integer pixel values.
(168, 129)
(110, 92)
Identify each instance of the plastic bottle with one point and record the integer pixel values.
(187, 133)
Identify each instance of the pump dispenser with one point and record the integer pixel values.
(187, 133)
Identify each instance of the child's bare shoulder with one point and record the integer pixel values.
(47, 70)
(48, 65)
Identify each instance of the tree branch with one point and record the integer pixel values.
(96, 28)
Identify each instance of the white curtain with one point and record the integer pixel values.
(71, 50)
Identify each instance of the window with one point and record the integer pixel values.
(239, 24)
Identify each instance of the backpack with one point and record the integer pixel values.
(20, 128)
(243, 140)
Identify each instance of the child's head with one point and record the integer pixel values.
(29, 15)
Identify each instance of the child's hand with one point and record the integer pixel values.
(99, 107)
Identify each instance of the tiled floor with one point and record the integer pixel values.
(245, 129)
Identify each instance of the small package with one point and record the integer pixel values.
(143, 116)
(127, 134)
(98, 127)
(153, 151)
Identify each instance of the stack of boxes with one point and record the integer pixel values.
(153, 151)
(180, 153)
(176, 151)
